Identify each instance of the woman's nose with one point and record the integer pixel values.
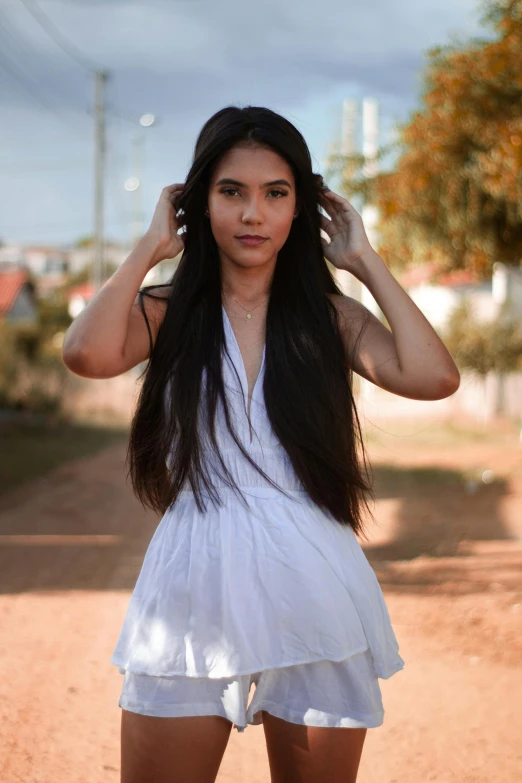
(252, 210)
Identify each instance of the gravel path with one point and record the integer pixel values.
(450, 565)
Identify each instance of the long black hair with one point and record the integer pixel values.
(308, 377)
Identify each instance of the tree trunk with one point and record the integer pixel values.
(500, 397)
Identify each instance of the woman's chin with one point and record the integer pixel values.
(248, 257)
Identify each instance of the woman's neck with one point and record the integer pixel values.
(250, 287)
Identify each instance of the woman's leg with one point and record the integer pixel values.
(310, 754)
(172, 750)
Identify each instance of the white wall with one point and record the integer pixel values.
(474, 399)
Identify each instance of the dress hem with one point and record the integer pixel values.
(368, 721)
(389, 672)
(165, 711)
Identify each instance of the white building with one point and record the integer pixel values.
(438, 299)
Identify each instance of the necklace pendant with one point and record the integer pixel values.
(249, 315)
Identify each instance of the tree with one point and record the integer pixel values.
(8, 364)
(484, 348)
(84, 275)
(455, 195)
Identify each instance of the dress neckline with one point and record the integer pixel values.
(243, 373)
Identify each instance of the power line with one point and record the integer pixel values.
(58, 37)
(112, 111)
(11, 69)
(21, 76)
(72, 51)
(37, 167)
(13, 38)
(61, 225)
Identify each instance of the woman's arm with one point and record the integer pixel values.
(111, 335)
(410, 360)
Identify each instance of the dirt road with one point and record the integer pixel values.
(449, 562)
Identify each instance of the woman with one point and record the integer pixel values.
(246, 439)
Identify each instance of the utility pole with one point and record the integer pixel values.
(370, 213)
(99, 179)
(134, 184)
(137, 165)
(348, 141)
(349, 284)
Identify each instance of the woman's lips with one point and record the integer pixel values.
(251, 241)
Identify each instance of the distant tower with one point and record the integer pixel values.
(347, 282)
(370, 132)
(348, 142)
(369, 213)
(370, 128)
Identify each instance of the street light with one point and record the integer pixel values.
(134, 184)
(131, 184)
(146, 120)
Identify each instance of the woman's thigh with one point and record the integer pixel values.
(172, 750)
(311, 754)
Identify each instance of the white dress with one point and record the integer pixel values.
(236, 591)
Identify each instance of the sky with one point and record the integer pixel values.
(183, 60)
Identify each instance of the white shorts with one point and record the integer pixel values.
(323, 693)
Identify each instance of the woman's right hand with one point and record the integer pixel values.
(165, 225)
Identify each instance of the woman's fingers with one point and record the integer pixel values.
(340, 210)
(330, 208)
(334, 198)
(339, 202)
(170, 190)
(326, 223)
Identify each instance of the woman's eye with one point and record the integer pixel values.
(280, 193)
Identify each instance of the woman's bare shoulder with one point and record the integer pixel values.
(153, 299)
(159, 291)
(349, 308)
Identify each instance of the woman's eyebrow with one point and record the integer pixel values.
(228, 181)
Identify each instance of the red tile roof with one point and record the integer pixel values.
(417, 275)
(85, 290)
(426, 274)
(457, 277)
(11, 283)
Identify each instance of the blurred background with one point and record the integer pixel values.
(414, 113)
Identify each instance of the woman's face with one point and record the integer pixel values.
(252, 191)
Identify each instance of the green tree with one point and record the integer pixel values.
(484, 348)
(479, 347)
(8, 365)
(85, 275)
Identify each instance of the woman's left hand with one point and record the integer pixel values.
(348, 241)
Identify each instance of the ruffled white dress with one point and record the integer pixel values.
(235, 591)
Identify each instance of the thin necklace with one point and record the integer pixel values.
(249, 312)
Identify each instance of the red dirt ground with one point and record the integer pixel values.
(449, 562)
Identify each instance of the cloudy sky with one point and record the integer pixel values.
(182, 60)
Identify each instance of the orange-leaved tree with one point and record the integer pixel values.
(455, 194)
